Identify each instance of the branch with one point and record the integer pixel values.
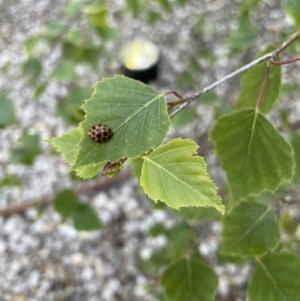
(272, 55)
(47, 200)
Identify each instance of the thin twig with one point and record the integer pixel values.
(272, 55)
(284, 45)
(47, 200)
(191, 98)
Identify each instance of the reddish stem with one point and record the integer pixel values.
(173, 92)
(263, 87)
(284, 62)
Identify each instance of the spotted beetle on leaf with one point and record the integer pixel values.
(100, 133)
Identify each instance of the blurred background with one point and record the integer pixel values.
(51, 55)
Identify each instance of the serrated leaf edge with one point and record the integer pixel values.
(254, 194)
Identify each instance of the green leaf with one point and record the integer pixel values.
(295, 142)
(137, 165)
(246, 6)
(64, 71)
(244, 36)
(66, 202)
(292, 8)
(253, 154)
(69, 108)
(86, 219)
(33, 68)
(53, 30)
(136, 113)
(30, 45)
(287, 223)
(98, 19)
(179, 238)
(10, 180)
(89, 171)
(73, 8)
(7, 111)
(265, 198)
(67, 144)
(252, 81)
(174, 174)
(276, 277)
(27, 148)
(249, 229)
(189, 279)
(39, 90)
(133, 6)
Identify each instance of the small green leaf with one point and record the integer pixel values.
(276, 277)
(253, 154)
(66, 202)
(174, 174)
(292, 8)
(249, 229)
(137, 165)
(179, 238)
(93, 8)
(252, 81)
(89, 171)
(39, 90)
(295, 142)
(189, 279)
(7, 111)
(33, 68)
(246, 6)
(136, 113)
(65, 70)
(27, 148)
(98, 20)
(86, 219)
(244, 36)
(287, 223)
(73, 8)
(10, 180)
(30, 45)
(67, 144)
(133, 6)
(53, 30)
(70, 107)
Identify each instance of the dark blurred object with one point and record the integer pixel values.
(140, 60)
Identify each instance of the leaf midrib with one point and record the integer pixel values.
(270, 277)
(249, 144)
(173, 176)
(250, 228)
(138, 111)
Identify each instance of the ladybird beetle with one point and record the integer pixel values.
(100, 133)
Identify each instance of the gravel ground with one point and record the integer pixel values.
(44, 258)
